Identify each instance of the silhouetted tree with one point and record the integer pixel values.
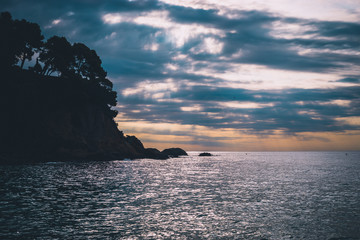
(7, 37)
(28, 38)
(87, 63)
(57, 56)
(19, 40)
(77, 64)
(81, 62)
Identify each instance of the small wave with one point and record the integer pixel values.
(54, 163)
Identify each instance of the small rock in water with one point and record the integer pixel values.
(205, 154)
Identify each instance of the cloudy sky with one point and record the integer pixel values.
(231, 75)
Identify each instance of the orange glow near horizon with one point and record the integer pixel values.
(200, 138)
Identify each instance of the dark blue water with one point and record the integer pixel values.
(299, 195)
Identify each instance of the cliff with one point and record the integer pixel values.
(59, 119)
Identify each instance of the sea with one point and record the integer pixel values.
(230, 195)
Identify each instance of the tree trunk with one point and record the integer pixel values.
(22, 62)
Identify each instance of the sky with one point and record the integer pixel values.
(208, 75)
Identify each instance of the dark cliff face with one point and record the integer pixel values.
(54, 119)
(88, 133)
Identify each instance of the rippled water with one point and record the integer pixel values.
(313, 195)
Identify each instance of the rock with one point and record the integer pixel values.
(154, 154)
(174, 152)
(135, 143)
(205, 154)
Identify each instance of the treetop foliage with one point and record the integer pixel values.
(22, 41)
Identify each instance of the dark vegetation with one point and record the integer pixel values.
(60, 107)
(75, 64)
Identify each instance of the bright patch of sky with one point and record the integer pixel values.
(332, 10)
(176, 33)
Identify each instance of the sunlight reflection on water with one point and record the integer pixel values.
(231, 195)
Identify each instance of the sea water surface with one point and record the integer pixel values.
(256, 195)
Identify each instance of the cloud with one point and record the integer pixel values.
(219, 66)
(256, 111)
(347, 30)
(201, 33)
(351, 79)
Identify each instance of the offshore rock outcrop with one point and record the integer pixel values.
(205, 154)
(174, 152)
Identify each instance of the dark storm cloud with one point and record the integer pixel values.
(211, 17)
(350, 79)
(337, 29)
(324, 44)
(276, 56)
(80, 5)
(203, 93)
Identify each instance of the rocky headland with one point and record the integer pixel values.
(53, 119)
(61, 107)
